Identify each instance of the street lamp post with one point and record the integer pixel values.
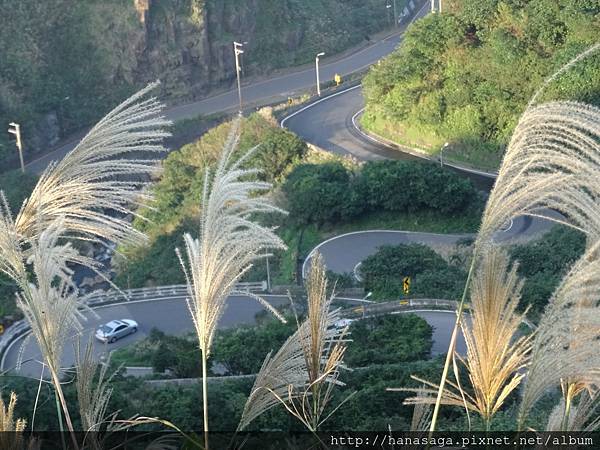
(432, 6)
(268, 275)
(237, 50)
(441, 154)
(388, 7)
(395, 15)
(15, 129)
(317, 72)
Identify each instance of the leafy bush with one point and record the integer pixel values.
(544, 261)
(242, 350)
(330, 193)
(388, 340)
(434, 87)
(321, 193)
(178, 354)
(431, 276)
(413, 186)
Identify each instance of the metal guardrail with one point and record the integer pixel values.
(99, 298)
(375, 309)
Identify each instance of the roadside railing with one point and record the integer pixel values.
(100, 298)
(376, 309)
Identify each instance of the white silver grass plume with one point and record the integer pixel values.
(496, 354)
(552, 162)
(51, 303)
(228, 243)
(229, 240)
(303, 373)
(583, 416)
(93, 389)
(566, 342)
(286, 368)
(12, 262)
(102, 174)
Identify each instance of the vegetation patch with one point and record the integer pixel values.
(434, 88)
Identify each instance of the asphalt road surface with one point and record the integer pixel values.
(272, 89)
(172, 317)
(330, 125)
(169, 315)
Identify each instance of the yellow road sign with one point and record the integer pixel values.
(406, 285)
(338, 79)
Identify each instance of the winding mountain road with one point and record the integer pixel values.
(276, 88)
(329, 124)
(171, 315)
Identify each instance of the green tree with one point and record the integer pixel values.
(321, 193)
(388, 339)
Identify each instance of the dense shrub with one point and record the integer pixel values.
(413, 186)
(177, 354)
(321, 193)
(465, 76)
(329, 193)
(242, 349)
(544, 261)
(388, 340)
(431, 276)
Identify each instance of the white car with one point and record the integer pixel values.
(116, 329)
(343, 323)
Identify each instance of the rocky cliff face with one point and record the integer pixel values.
(65, 63)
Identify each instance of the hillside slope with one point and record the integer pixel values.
(64, 63)
(465, 76)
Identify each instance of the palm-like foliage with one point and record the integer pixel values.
(495, 352)
(229, 242)
(303, 373)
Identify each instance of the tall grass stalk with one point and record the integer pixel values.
(303, 373)
(495, 352)
(552, 163)
(228, 243)
(84, 196)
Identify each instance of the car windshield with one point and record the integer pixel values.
(105, 329)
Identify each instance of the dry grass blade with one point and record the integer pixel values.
(229, 241)
(12, 262)
(495, 352)
(566, 342)
(51, 305)
(11, 430)
(99, 175)
(93, 390)
(303, 373)
(422, 413)
(552, 162)
(582, 416)
(287, 367)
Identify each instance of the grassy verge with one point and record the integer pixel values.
(429, 142)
